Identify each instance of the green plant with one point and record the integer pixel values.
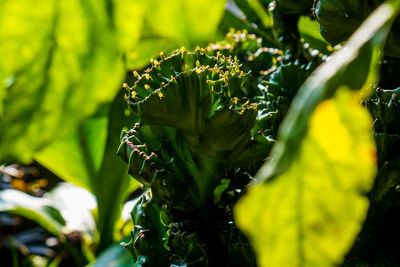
(205, 127)
(262, 132)
(174, 101)
(68, 61)
(339, 19)
(198, 130)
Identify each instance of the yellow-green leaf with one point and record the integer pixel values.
(170, 24)
(128, 16)
(311, 214)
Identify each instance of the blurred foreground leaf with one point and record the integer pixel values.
(309, 203)
(314, 210)
(39, 210)
(62, 59)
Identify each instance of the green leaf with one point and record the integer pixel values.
(262, 12)
(183, 20)
(87, 158)
(111, 184)
(147, 48)
(256, 12)
(309, 203)
(170, 24)
(220, 189)
(60, 61)
(39, 210)
(128, 18)
(77, 157)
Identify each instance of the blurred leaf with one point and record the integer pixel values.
(303, 210)
(77, 157)
(262, 12)
(148, 47)
(60, 60)
(128, 16)
(220, 189)
(39, 210)
(87, 158)
(111, 184)
(183, 20)
(114, 256)
(256, 12)
(170, 24)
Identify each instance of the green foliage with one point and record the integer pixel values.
(204, 122)
(167, 24)
(198, 125)
(358, 58)
(62, 63)
(324, 131)
(146, 245)
(71, 156)
(94, 166)
(205, 125)
(54, 71)
(339, 19)
(311, 214)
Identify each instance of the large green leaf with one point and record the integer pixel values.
(87, 158)
(60, 59)
(76, 157)
(111, 183)
(309, 203)
(39, 210)
(128, 18)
